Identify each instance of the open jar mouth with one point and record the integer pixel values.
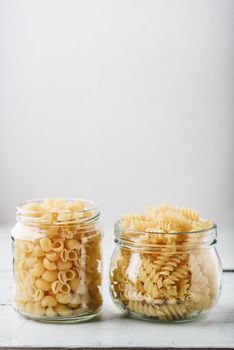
(88, 214)
(129, 238)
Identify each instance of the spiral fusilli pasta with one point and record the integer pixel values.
(161, 270)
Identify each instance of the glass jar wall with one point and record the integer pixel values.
(57, 260)
(162, 276)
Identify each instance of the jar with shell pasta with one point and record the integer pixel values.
(57, 260)
(165, 266)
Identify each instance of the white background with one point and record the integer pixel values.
(123, 102)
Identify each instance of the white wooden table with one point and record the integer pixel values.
(112, 329)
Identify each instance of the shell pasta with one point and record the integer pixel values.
(58, 276)
(166, 267)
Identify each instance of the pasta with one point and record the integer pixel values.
(74, 284)
(37, 269)
(49, 265)
(64, 298)
(58, 269)
(72, 244)
(50, 276)
(57, 245)
(56, 286)
(46, 245)
(52, 256)
(43, 285)
(50, 312)
(65, 288)
(49, 300)
(72, 255)
(63, 265)
(69, 275)
(62, 277)
(161, 269)
(64, 255)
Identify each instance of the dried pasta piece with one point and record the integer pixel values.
(74, 284)
(38, 294)
(69, 274)
(39, 310)
(49, 300)
(55, 286)
(46, 244)
(38, 269)
(58, 271)
(63, 298)
(64, 255)
(50, 276)
(65, 288)
(52, 256)
(64, 310)
(164, 273)
(72, 244)
(43, 285)
(72, 255)
(64, 265)
(57, 245)
(49, 265)
(50, 312)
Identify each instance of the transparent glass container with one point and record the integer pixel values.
(57, 263)
(165, 277)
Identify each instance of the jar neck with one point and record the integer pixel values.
(174, 242)
(31, 216)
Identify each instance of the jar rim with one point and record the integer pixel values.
(118, 227)
(21, 213)
(130, 238)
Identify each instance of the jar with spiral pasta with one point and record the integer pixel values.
(57, 260)
(165, 266)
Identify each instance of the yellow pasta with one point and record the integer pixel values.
(29, 308)
(64, 310)
(30, 262)
(58, 269)
(62, 277)
(49, 300)
(49, 265)
(75, 301)
(50, 276)
(63, 265)
(72, 255)
(38, 294)
(57, 245)
(63, 298)
(50, 312)
(64, 255)
(46, 245)
(55, 286)
(74, 284)
(65, 288)
(43, 285)
(39, 310)
(163, 269)
(52, 256)
(28, 247)
(69, 275)
(37, 269)
(37, 251)
(72, 244)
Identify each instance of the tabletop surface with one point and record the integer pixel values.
(112, 329)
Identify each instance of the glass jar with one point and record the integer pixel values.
(168, 277)
(57, 260)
